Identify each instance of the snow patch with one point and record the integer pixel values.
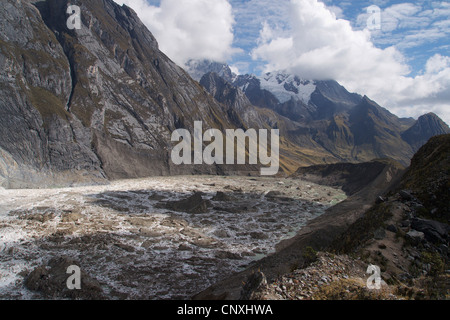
(287, 86)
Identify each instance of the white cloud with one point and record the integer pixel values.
(189, 29)
(320, 46)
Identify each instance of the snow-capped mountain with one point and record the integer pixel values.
(286, 86)
(290, 95)
(316, 115)
(198, 68)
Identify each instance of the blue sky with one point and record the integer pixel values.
(421, 15)
(404, 64)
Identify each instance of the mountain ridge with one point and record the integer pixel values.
(100, 103)
(347, 126)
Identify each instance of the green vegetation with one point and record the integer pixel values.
(363, 229)
(47, 104)
(429, 178)
(309, 255)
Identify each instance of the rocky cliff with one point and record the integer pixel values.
(90, 104)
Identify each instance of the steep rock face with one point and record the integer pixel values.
(37, 132)
(427, 126)
(99, 102)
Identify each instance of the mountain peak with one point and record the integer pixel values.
(427, 126)
(198, 68)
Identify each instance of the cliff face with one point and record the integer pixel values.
(91, 104)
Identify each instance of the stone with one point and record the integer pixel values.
(434, 231)
(379, 234)
(222, 196)
(380, 199)
(415, 236)
(406, 195)
(392, 228)
(193, 204)
(254, 282)
(221, 234)
(259, 235)
(51, 281)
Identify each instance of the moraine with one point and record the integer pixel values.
(126, 236)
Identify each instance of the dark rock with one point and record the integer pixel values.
(222, 196)
(379, 234)
(434, 231)
(406, 195)
(405, 223)
(392, 228)
(380, 199)
(259, 235)
(193, 204)
(254, 282)
(221, 234)
(51, 281)
(415, 237)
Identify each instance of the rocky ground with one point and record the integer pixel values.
(411, 252)
(158, 238)
(329, 277)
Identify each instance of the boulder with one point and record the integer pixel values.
(221, 197)
(434, 231)
(415, 236)
(254, 282)
(406, 195)
(193, 204)
(51, 281)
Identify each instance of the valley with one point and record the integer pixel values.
(144, 239)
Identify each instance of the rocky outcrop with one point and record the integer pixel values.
(51, 281)
(428, 178)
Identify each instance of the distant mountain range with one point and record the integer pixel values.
(321, 117)
(101, 102)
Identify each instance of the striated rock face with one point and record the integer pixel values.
(37, 132)
(91, 104)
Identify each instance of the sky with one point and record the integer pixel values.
(395, 52)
